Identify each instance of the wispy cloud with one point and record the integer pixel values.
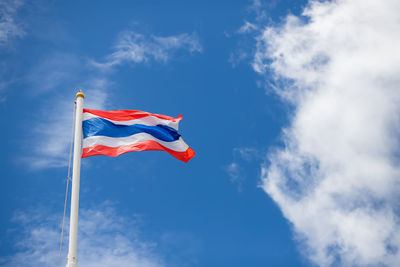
(236, 174)
(53, 131)
(135, 47)
(105, 239)
(247, 153)
(246, 33)
(54, 128)
(247, 27)
(236, 170)
(238, 56)
(58, 77)
(9, 26)
(258, 8)
(337, 177)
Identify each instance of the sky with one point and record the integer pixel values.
(292, 108)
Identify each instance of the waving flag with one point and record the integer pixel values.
(116, 132)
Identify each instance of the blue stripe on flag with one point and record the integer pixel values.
(102, 127)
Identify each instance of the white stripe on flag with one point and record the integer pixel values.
(178, 145)
(148, 121)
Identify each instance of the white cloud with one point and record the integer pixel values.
(138, 48)
(258, 8)
(236, 174)
(54, 128)
(236, 170)
(337, 177)
(247, 27)
(9, 27)
(247, 153)
(235, 57)
(105, 239)
(56, 79)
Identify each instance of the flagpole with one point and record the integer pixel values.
(73, 226)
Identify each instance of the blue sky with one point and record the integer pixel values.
(293, 130)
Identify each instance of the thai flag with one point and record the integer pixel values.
(116, 132)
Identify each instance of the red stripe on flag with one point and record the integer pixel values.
(141, 146)
(127, 115)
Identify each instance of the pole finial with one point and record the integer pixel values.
(80, 94)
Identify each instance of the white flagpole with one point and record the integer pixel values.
(73, 226)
